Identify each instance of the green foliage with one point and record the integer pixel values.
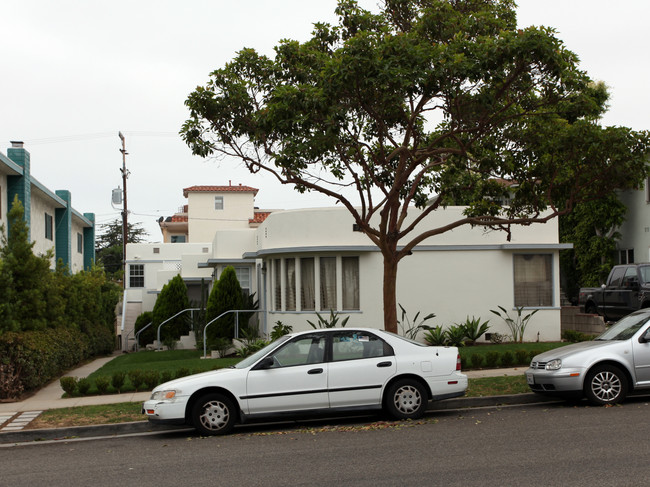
(221, 345)
(435, 336)
(474, 329)
(491, 359)
(117, 380)
(226, 295)
(574, 336)
(280, 329)
(496, 338)
(171, 301)
(149, 334)
(151, 378)
(455, 335)
(251, 347)
(477, 360)
(410, 328)
(517, 324)
(109, 247)
(83, 386)
(69, 385)
(429, 103)
(182, 372)
(136, 377)
(521, 357)
(166, 376)
(331, 322)
(507, 359)
(102, 383)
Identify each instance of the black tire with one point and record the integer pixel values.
(213, 414)
(605, 384)
(406, 399)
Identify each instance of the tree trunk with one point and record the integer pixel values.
(390, 298)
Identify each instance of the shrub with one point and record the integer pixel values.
(149, 334)
(435, 336)
(280, 329)
(69, 385)
(150, 378)
(226, 295)
(331, 322)
(574, 336)
(474, 329)
(101, 383)
(221, 345)
(455, 336)
(117, 380)
(477, 360)
(507, 359)
(517, 324)
(136, 378)
(166, 376)
(10, 384)
(182, 372)
(83, 386)
(532, 354)
(171, 300)
(491, 359)
(521, 357)
(411, 328)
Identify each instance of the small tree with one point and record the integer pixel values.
(226, 295)
(109, 250)
(171, 300)
(148, 335)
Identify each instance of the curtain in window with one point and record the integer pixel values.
(350, 282)
(307, 284)
(533, 280)
(328, 283)
(277, 276)
(290, 284)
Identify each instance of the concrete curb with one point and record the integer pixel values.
(138, 427)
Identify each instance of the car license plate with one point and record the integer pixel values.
(530, 378)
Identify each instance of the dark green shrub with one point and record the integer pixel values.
(435, 336)
(507, 359)
(83, 386)
(477, 360)
(456, 336)
(117, 380)
(150, 378)
(491, 359)
(532, 354)
(149, 334)
(101, 383)
(474, 329)
(182, 372)
(280, 329)
(166, 376)
(574, 336)
(171, 300)
(226, 295)
(69, 385)
(136, 377)
(521, 357)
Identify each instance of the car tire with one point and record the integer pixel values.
(213, 414)
(605, 384)
(406, 399)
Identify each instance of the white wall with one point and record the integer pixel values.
(77, 260)
(37, 225)
(635, 231)
(204, 220)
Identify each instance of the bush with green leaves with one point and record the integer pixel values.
(280, 329)
(507, 359)
(477, 360)
(226, 295)
(574, 336)
(182, 372)
(521, 357)
(69, 385)
(83, 386)
(171, 301)
(117, 380)
(151, 378)
(410, 328)
(166, 376)
(492, 359)
(136, 377)
(435, 336)
(101, 383)
(474, 329)
(455, 336)
(145, 322)
(333, 321)
(516, 324)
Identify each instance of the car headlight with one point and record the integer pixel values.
(164, 395)
(554, 364)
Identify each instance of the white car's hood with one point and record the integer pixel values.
(188, 381)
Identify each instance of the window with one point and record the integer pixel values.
(327, 283)
(350, 283)
(626, 256)
(49, 234)
(136, 275)
(348, 345)
(218, 202)
(178, 239)
(307, 284)
(80, 243)
(533, 280)
(308, 349)
(277, 276)
(290, 284)
(244, 278)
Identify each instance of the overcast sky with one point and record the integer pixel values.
(74, 73)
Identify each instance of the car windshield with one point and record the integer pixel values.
(625, 328)
(250, 360)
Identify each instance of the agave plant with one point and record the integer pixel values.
(455, 336)
(517, 324)
(435, 336)
(331, 323)
(474, 329)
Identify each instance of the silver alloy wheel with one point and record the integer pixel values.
(606, 386)
(215, 415)
(407, 399)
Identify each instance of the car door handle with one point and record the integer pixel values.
(384, 364)
(315, 371)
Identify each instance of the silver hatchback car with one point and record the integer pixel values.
(604, 370)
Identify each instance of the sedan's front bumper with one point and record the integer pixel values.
(165, 411)
(566, 382)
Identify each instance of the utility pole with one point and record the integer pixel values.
(125, 228)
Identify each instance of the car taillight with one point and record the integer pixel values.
(458, 362)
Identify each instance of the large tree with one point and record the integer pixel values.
(425, 103)
(109, 248)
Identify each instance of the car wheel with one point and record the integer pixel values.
(213, 414)
(605, 385)
(406, 399)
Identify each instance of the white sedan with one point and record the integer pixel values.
(313, 372)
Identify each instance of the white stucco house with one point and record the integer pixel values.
(299, 262)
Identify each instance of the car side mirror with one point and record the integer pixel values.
(645, 338)
(266, 363)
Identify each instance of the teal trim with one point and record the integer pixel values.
(63, 230)
(20, 185)
(89, 242)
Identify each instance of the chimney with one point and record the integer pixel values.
(16, 144)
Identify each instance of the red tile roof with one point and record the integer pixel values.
(179, 218)
(259, 217)
(219, 189)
